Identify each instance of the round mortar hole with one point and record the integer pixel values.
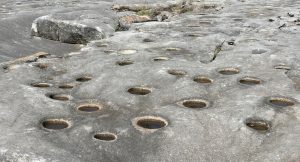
(280, 101)
(40, 85)
(89, 107)
(55, 124)
(84, 79)
(139, 90)
(125, 62)
(229, 71)
(195, 103)
(149, 123)
(161, 58)
(106, 136)
(258, 124)
(61, 97)
(177, 72)
(250, 80)
(66, 86)
(203, 79)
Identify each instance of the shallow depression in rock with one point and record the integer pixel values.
(250, 81)
(202, 79)
(150, 122)
(106, 136)
(61, 97)
(139, 90)
(84, 79)
(89, 108)
(258, 124)
(195, 103)
(229, 71)
(177, 72)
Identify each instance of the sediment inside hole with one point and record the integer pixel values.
(202, 79)
(139, 90)
(195, 103)
(177, 72)
(281, 101)
(250, 80)
(229, 71)
(258, 124)
(66, 86)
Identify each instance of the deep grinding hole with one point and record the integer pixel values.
(105, 136)
(250, 81)
(61, 97)
(280, 101)
(139, 90)
(258, 124)
(202, 79)
(40, 85)
(151, 123)
(89, 107)
(177, 72)
(55, 124)
(229, 71)
(195, 103)
(84, 79)
(125, 62)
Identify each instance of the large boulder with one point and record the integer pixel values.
(73, 27)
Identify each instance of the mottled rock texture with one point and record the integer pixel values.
(215, 84)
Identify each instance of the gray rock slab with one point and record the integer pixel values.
(249, 111)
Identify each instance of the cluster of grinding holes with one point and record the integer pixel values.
(105, 136)
(84, 79)
(149, 123)
(41, 85)
(195, 103)
(229, 71)
(55, 124)
(280, 101)
(177, 72)
(60, 97)
(250, 81)
(139, 90)
(125, 62)
(89, 108)
(258, 124)
(202, 79)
